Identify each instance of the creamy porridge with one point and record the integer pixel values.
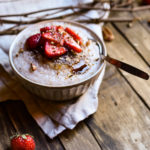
(57, 63)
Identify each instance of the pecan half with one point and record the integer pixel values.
(107, 34)
(33, 67)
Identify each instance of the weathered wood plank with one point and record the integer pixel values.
(73, 140)
(6, 129)
(120, 49)
(137, 36)
(24, 123)
(146, 16)
(122, 121)
(5, 93)
(87, 142)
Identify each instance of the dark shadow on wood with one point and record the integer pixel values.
(107, 142)
(24, 123)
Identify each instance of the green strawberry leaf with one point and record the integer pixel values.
(24, 137)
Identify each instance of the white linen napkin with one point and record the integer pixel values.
(53, 118)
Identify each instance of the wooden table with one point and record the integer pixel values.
(122, 121)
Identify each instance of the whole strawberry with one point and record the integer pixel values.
(22, 142)
(33, 41)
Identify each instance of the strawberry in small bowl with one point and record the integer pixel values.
(57, 60)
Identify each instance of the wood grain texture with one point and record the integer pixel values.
(5, 93)
(121, 50)
(70, 139)
(145, 16)
(76, 138)
(122, 122)
(6, 129)
(24, 123)
(138, 36)
(21, 119)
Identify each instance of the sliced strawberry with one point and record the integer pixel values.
(68, 40)
(60, 29)
(53, 37)
(75, 36)
(53, 28)
(32, 41)
(45, 29)
(54, 51)
(70, 43)
(41, 44)
(48, 29)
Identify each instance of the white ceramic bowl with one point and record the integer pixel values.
(57, 93)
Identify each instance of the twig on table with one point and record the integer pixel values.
(43, 10)
(15, 31)
(119, 6)
(109, 20)
(125, 4)
(82, 21)
(8, 29)
(140, 8)
(49, 14)
(7, 21)
(10, 32)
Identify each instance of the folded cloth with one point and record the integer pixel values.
(53, 118)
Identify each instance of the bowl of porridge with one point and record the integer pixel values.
(57, 60)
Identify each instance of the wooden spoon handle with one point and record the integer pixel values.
(128, 68)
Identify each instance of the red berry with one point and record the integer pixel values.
(45, 29)
(59, 29)
(63, 38)
(54, 51)
(41, 44)
(53, 28)
(75, 36)
(55, 40)
(71, 44)
(70, 39)
(23, 142)
(32, 41)
(48, 29)
(53, 37)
